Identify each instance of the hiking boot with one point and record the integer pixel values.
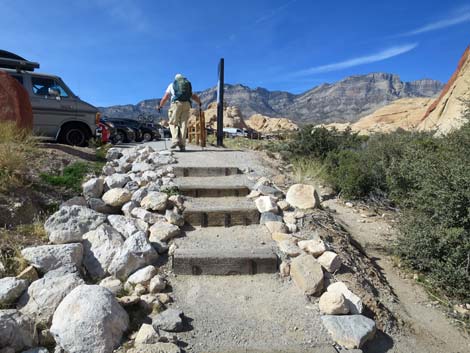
(182, 148)
(174, 145)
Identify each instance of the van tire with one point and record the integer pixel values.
(74, 135)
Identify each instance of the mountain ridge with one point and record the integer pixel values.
(346, 100)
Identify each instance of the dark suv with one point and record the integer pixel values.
(142, 130)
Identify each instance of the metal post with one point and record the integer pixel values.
(220, 105)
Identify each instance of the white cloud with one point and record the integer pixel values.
(461, 16)
(273, 12)
(361, 60)
(127, 12)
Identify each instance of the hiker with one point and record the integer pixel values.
(181, 93)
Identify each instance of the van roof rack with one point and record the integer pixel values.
(12, 61)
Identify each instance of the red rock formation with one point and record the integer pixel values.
(14, 102)
(449, 84)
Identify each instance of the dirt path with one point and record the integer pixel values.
(429, 329)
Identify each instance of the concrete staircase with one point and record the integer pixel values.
(223, 234)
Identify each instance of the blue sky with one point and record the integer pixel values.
(123, 51)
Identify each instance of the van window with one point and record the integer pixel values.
(18, 78)
(41, 86)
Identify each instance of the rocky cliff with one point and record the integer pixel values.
(345, 101)
(446, 112)
(403, 114)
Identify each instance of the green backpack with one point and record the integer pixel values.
(183, 90)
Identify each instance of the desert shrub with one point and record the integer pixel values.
(71, 176)
(16, 145)
(317, 142)
(435, 230)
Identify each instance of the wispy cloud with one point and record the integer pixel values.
(361, 60)
(460, 16)
(127, 12)
(273, 12)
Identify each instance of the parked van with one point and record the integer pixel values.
(57, 112)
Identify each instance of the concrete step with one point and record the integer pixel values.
(205, 171)
(222, 251)
(221, 211)
(222, 186)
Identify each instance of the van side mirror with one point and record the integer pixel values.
(53, 91)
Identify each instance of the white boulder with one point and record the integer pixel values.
(117, 197)
(50, 257)
(135, 253)
(89, 320)
(303, 196)
(69, 223)
(100, 246)
(10, 289)
(127, 225)
(155, 201)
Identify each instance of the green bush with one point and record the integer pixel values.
(428, 177)
(317, 142)
(72, 176)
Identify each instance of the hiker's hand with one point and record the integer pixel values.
(159, 109)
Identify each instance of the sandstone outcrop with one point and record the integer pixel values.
(446, 113)
(266, 124)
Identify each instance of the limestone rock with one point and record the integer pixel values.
(160, 347)
(128, 207)
(333, 303)
(163, 232)
(279, 237)
(127, 225)
(117, 180)
(45, 294)
(113, 284)
(283, 205)
(157, 284)
(155, 201)
(174, 218)
(135, 253)
(330, 261)
(93, 188)
(142, 276)
(139, 195)
(307, 274)
(10, 289)
(113, 153)
(117, 197)
(269, 217)
(302, 196)
(350, 331)
(146, 335)
(146, 216)
(89, 320)
(288, 247)
(316, 247)
(50, 257)
(169, 320)
(17, 331)
(100, 247)
(69, 223)
(266, 204)
(100, 206)
(354, 302)
(276, 227)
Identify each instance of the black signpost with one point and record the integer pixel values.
(220, 105)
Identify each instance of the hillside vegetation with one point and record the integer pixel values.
(427, 177)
